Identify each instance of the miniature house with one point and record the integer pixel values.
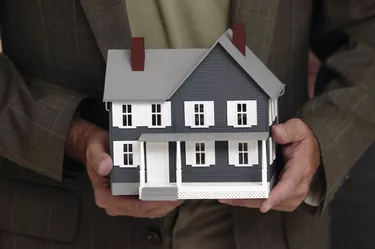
(191, 123)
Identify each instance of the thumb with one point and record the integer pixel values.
(99, 160)
(292, 131)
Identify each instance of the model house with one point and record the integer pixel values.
(191, 123)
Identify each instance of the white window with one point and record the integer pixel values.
(243, 153)
(127, 116)
(200, 154)
(242, 113)
(126, 154)
(199, 114)
(156, 115)
(140, 114)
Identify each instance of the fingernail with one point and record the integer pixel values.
(265, 208)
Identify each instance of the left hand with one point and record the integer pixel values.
(302, 159)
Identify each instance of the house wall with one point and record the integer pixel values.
(220, 172)
(219, 78)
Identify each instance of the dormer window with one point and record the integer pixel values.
(127, 117)
(242, 113)
(199, 114)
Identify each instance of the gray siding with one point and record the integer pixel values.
(221, 172)
(219, 78)
(125, 175)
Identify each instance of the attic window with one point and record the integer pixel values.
(241, 114)
(127, 115)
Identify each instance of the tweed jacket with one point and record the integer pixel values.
(53, 62)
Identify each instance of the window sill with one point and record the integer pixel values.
(127, 166)
(200, 165)
(244, 165)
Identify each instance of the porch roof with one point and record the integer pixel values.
(213, 136)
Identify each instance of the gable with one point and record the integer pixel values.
(219, 79)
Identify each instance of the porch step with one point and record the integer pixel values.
(159, 193)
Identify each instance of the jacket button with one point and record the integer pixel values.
(153, 235)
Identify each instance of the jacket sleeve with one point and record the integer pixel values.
(34, 121)
(342, 113)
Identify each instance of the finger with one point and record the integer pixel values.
(99, 159)
(253, 203)
(286, 188)
(294, 130)
(133, 206)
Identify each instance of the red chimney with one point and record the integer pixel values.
(239, 37)
(138, 53)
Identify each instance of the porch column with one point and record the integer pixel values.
(264, 164)
(178, 164)
(142, 170)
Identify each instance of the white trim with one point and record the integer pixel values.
(248, 147)
(133, 154)
(205, 112)
(250, 114)
(224, 190)
(208, 153)
(178, 164)
(142, 171)
(264, 164)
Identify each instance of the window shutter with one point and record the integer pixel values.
(166, 114)
(209, 113)
(233, 153)
(253, 152)
(252, 112)
(231, 113)
(118, 153)
(189, 114)
(116, 115)
(273, 110)
(190, 153)
(210, 152)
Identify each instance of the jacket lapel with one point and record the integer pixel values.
(260, 19)
(109, 22)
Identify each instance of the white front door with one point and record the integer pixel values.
(157, 156)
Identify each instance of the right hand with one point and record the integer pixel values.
(93, 142)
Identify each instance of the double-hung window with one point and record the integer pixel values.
(156, 115)
(199, 114)
(127, 116)
(243, 154)
(200, 154)
(128, 155)
(242, 113)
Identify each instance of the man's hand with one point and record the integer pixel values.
(302, 159)
(89, 144)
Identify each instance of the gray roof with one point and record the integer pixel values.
(221, 136)
(164, 70)
(167, 69)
